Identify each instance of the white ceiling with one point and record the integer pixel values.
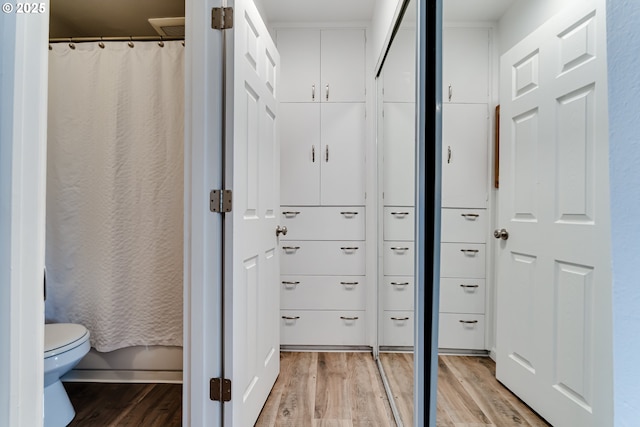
(474, 10)
(317, 11)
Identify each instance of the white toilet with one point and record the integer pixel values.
(64, 345)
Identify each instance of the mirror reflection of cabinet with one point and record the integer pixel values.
(398, 188)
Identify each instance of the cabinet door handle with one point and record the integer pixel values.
(395, 248)
(313, 153)
(400, 214)
(291, 214)
(349, 214)
(290, 317)
(326, 159)
(349, 283)
(400, 318)
(469, 251)
(313, 92)
(327, 97)
(399, 283)
(469, 322)
(290, 283)
(349, 248)
(470, 216)
(449, 154)
(469, 286)
(450, 92)
(349, 318)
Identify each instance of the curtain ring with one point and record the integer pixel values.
(130, 42)
(182, 42)
(101, 44)
(50, 47)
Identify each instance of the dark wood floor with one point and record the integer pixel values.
(325, 389)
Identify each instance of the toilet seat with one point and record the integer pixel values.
(62, 337)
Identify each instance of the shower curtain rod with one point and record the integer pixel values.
(115, 39)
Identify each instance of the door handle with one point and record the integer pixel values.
(313, 153)
(450, 92)
(281, 230)
(326, 159)
(313, 92)
(501, 234)
(327, 93)
(448, 154)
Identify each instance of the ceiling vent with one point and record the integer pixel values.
(168, 27)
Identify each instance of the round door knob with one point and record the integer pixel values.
(281, 230)
(501, 234)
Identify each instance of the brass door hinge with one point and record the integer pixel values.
(220, 389)
(221, 18)
(220, 201)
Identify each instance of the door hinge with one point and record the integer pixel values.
(221, 18)
(220, 201)
(220, 389)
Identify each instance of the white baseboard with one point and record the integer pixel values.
(121, 376)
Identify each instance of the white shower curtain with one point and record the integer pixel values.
(115, 191)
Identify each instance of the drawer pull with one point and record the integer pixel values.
(290, 317)
(349, 214)
(349, 318)
(469, 322)
(290, 249)
(470, 216)
(400, 214)
(291, 214)
(399, 283)
(400, 318)
(297, 283)
(349, 283)
(395, 248)
(469, 286)
(469, 251)
(349, 248)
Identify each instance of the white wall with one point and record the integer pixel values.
(623, 45)
(384, 15)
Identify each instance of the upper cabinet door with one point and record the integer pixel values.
(342, 65)
(300, 69)
(399, 74)
(465, 65)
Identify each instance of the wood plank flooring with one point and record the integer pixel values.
(325, 390)
(468, 393)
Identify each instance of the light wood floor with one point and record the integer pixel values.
(325, 390)
(468, 393)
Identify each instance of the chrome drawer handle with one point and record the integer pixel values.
(469, 322)
(297, 283)
(399, 283)
(349, 214)
(349, 283)
(400, 318)
(348, 318)
(290, 317)
(469, 251)
(469, 286)
(470, 216)
(291, 214)
(395, 248)
(290, 249)
(400, 214)
(349, 248)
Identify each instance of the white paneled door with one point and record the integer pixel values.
(251, 284)
(554, 280)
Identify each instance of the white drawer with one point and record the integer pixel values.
(461, 331)
(463, 225)
(397, 292)
(399, 223)
(462, 296)
(314, 258)
(323, 223)
(462, 260)
(299, 327)
(397, 328)
(322, 292)
(398, 258)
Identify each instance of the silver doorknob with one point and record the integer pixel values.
(501, 234)
(281, 230)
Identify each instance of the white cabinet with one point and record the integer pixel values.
(322, 65)
(464, 155)
(465, 65)
(399, 154)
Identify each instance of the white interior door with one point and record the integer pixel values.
(251, 287)
(554, 281)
